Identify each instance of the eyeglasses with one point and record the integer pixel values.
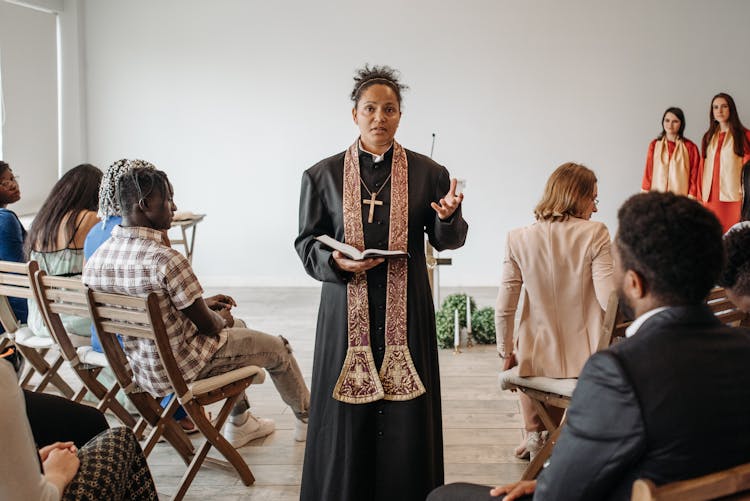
(8, 183)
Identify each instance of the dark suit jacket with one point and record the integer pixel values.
(670, 403)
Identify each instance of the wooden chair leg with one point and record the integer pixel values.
(541, 411)
(164, 424)
(106, 398)
(537, 464)
(213, 439)
(53, 378)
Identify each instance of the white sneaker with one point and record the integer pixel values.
(300, 431)
(251, 429)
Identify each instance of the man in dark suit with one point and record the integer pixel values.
(673, 400)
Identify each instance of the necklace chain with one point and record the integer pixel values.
(381, 188)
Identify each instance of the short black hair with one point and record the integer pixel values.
(736, 275)
(673, 242)
(137, 184)
(3, 166)
(368, 76)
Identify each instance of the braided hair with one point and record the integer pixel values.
(137, 184)
(109, 205)
(366, 77)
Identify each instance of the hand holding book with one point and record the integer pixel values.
(357, 255)
(348, 258)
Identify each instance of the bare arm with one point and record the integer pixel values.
(208, 321)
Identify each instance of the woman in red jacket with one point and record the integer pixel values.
(725, 149)
(672, 161)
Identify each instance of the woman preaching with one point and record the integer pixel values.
(375, 429)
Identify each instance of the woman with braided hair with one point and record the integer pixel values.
(375, 429)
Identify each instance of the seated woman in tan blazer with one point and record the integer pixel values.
(564, 261)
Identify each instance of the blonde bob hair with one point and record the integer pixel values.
(568, 192)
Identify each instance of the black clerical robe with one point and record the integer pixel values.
(383, 450)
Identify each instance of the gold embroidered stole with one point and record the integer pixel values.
(359, 382)
(671, 174)
(730, 170)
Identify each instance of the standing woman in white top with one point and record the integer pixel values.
(564, 261)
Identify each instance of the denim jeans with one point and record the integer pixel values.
(250, 347)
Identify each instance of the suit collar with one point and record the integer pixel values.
(699, 314)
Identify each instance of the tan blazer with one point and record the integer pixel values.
(566, 268)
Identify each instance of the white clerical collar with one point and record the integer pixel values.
(375, 157)
(633, 328)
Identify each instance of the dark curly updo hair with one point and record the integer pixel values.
(673, 242)
(366, 77)
(736, 275)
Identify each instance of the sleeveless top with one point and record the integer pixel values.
(67, 262)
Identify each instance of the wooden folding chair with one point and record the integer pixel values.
(15, 281)
(725, 310)
(558, 392)
(68, 296)
(141, 317)
(730, 484)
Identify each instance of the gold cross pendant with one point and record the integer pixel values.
(372, 203)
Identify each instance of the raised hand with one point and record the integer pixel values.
(447, 205)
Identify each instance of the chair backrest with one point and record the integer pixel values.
(15, 281)
(61, 296)
(723, 483)
(125, 315)
(724, 309)
(614, 324)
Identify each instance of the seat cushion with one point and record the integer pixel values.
(26, 337)
(87, 355)
(563, 387)
(202, 386)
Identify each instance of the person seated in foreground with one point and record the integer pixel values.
(109, 466)
(736, 276)
(637, 410)
(206, 339)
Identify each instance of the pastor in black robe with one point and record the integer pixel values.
(384, 450)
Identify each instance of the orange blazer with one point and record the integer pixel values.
(566, 268)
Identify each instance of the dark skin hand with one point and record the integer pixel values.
(352, 266)
(514, 490)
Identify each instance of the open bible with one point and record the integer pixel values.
(353, 253)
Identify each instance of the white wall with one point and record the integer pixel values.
(28, 62)
(235, 99)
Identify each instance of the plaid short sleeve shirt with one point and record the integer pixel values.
(134, 261)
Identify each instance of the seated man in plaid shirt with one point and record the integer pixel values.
(205, 338)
